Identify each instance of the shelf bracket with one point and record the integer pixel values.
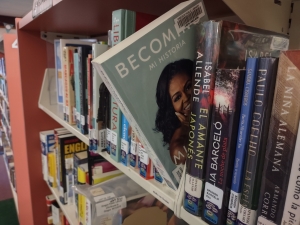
(51, 36)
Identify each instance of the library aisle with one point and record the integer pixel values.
(8, 213)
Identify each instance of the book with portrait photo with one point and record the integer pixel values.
(149, 74)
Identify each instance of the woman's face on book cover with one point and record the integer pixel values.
(180, 93)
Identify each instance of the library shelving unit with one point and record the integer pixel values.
(30, 68)
(5, 136)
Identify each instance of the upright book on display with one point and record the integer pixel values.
(223, 45)
(137, 71)
(281, 140)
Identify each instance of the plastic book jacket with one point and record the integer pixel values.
(149, 74)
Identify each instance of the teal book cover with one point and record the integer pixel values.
(149, 74)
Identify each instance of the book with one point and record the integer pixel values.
(146, 164)
(281, 138)
(47, 145)
(69, 91)
(78, 159)
(265, 83)
(99, 127)
(68, 145)
(77, 88)
(133, 150)
(291, 213)
(51, 170)
(101, 177)
(224, 45)
(131, 72)
(124, 24)
(242, 140)
(90, 101)
(222, 143)
(58, 71)
(83, 52)
(125, 141)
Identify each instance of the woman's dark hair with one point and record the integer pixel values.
(166, 121)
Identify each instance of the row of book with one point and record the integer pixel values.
(55, 216)
(190, 106)
(9, 160)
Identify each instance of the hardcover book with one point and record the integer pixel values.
(225, 45)
(242, 140)
(222, 143)
(265, 84)
(281, 138)
(137, 72)
(125, 141)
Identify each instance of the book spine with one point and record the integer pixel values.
(242, 140)
(133, 151)
(267, 70)
(207, 41)
(99, 130)
(66, 83)
(103, 118)
(291, 213)
(222, 144)
(58, 71)
(77, 88)
(71, 93)
(281, 142)
(90, 101)
(116, 125)
(63, 181)
(125, 141)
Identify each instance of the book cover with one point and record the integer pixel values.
(125, 141)
(68, 145)
(226, 45)
(291, 213)
(69, 91)
(132, 70)
(51, 170)
(99, 128)
(265, 84)
(242, 140)
(281, 138)
(221, 147)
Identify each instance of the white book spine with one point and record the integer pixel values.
(291, 212)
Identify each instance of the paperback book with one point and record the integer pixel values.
(263, 98)
(281, 139)
(242, 140)
(136, 72)
(221, 148)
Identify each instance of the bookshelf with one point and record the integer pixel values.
(27, 64)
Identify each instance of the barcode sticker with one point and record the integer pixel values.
(77, 115)
(279, 43)
(144, 156)
(125, 146)
(102, 138)
(191, 16)
(82, 120)
(133, 148)
(108, 134)
(67, 110)
(177, 172)
(193, 186)
(114, 137)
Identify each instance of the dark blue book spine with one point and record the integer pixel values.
(262, 105)
(242, 140)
